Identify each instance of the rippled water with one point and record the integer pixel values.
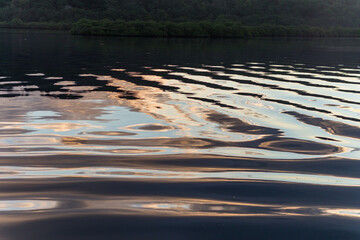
(112, 138)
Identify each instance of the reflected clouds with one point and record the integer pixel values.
(160, 175)
(165, 206)
(26, 205)
(189, 101)
(247, 132)
(62, 127)
(332, 127)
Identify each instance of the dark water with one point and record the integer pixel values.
(111, 138)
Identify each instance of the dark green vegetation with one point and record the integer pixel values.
(345, 13)
(193, 18)
(18, 23)
(203, 29)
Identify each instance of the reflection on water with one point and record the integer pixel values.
(172, 207)
(148, 174)
(26, 205)
(112, 129)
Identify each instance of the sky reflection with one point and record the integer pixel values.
(127, 173)
(207, 102)
(164, 206)
(260, 134)
(26, 205)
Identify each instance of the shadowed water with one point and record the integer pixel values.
(115, 138)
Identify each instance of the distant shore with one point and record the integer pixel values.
(18, 24)
(190, 29)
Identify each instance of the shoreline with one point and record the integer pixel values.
(195, 29)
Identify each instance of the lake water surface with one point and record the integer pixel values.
(131, 138)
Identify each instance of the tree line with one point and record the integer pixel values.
(319, 13)
(214, 29)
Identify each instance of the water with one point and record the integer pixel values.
(112, 138)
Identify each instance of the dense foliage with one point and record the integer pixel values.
(345, 13)
(18, 23)
(223, 28)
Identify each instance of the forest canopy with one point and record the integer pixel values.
(323, 13)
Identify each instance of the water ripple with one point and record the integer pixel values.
(103, 172)
(178, 133)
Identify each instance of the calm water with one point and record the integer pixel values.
(112, 138)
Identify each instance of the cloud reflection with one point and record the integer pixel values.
(161, 175)
(26, 205)
(167, 206)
